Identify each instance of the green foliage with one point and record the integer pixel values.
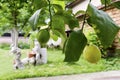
(44, 16)
(92, 38)
(4, 21)
(74, 46)
(58, 24)
(62, 3)
(117, 4)
(106, 2)
(32, 37)
(34, 19)
(110, 63)
(109, 2)
(79, 12)
(59, 17)
(15, 13)
(54, 15)
(40, 4)
(70, 19)
(23, 45)
(103, 25)
(54, 36)
(5, 46)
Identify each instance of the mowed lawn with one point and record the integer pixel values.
(54, 67)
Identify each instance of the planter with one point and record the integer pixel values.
(43, 55)
(41, 58)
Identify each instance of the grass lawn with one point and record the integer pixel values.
(54, 67)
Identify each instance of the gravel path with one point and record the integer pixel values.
(110, 75)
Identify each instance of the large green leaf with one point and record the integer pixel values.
(34, 19)
(58, 24)
(70, 19)
(103, 25)
(57, 8)
(44, 15)
(61, 3)
(40, 4)
(117, 4)
(79, 12)
(74, 46)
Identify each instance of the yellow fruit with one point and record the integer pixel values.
(92, 53)
(43, 36)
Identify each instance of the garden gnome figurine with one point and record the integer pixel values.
(36, 56)
(17, 62)
(33, 57)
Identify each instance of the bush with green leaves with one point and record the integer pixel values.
(23, 45)
(32, 37)
(5, 46)
(93, 38)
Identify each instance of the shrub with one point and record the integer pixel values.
(23, 45)
(93, 39)
(5, 46)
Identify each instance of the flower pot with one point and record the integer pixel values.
(43, 55)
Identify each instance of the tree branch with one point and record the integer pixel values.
(105, 5)
(50, 13)
(84, 17)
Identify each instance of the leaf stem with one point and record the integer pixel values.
(84, 18)
(50, 13)
(83, 21)
(105, 5)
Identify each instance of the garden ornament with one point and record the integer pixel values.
(41, 53)
(17, 62)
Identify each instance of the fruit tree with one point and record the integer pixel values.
(54, 14)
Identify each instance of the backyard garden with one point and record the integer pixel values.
(90, 45)
(54, 67)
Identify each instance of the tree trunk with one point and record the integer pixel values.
(15, 50)
(14, 36)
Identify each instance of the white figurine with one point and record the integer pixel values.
(37, 56)
(17, 62)
(36, 50)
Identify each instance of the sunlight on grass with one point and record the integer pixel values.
(55, 66)
(5, 62)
